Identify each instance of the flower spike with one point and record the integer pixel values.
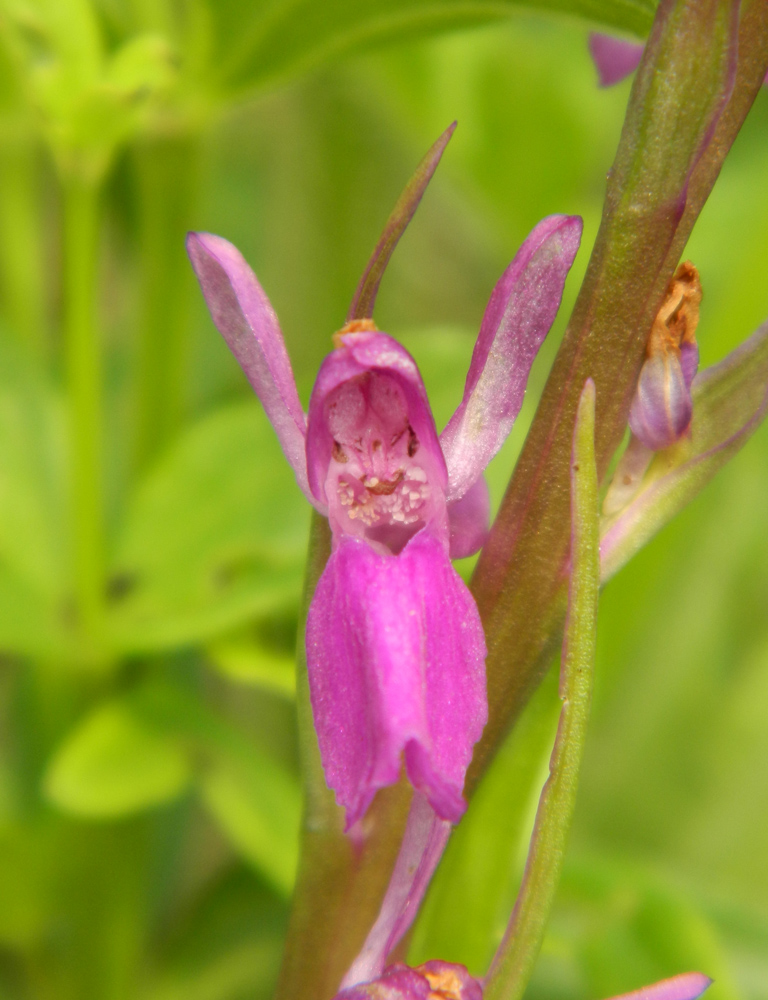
(365, 296)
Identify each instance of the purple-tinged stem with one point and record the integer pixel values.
(668, 158)
(365, 296)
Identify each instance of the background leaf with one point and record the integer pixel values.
(113, 765)
(289, 38)
(214, 535)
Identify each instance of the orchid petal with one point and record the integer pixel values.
(244, 317)
(689, 361)
(360, 355)
(661, 409)
(468, 520)
(365, 295)
(423, 844)
(519, 314)
(395, 653)
(614, 58)
(687, 986)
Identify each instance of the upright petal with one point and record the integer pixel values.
(244, 317)
(519, 314)
(395, 655)
(613, 57)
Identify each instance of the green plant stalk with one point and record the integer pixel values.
(663, 172)
(513, 964)
(521, 588)
(167, 181)
(21, 259)
(83, 364)
(341, 881)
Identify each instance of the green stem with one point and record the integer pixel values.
(166, 170)
(82, 347)
(666, 150)
(21, 265)
(512, 967)
(340, 883)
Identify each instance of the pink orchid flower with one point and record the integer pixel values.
(447, 981)
(395, 647)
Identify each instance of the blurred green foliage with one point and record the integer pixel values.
(149, 797)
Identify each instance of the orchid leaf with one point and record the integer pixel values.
(298, 36)
(185, 572)
(730, 402)
(513, 964)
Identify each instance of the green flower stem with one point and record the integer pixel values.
(340, 882)
(82, 348)
(21, 259)
(167, 175)
(513, 964)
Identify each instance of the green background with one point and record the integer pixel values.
(149, 794)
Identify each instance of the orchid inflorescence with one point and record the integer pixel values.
(395, 643)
